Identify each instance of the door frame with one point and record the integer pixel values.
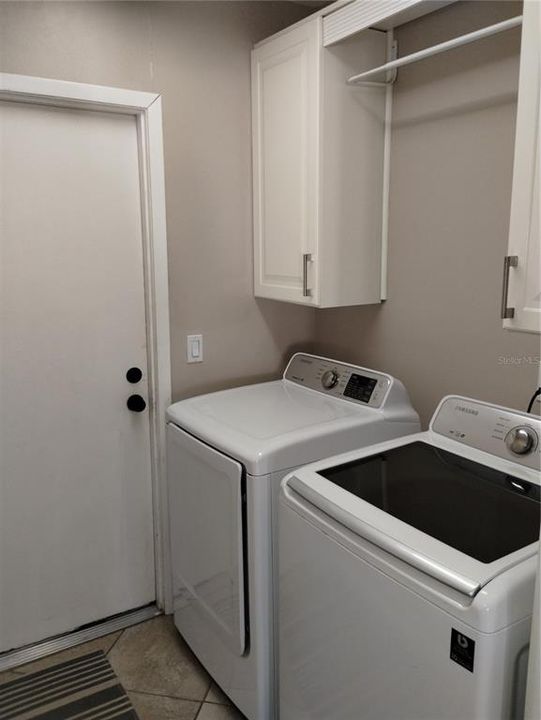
(146, 109)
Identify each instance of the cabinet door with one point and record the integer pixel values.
(285, 155)
(524, 233)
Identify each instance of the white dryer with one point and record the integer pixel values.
(227, 452)
(407, 573)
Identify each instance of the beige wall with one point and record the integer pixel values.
(198, 56)
(452, 153)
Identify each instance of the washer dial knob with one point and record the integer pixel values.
(521, 440)
(329, 379)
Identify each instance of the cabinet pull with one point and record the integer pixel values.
(509, 261)
(306, 258)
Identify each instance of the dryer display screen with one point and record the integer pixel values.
(360, 387)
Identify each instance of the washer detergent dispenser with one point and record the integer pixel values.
(227, 453)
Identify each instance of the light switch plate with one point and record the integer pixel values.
(194, 348)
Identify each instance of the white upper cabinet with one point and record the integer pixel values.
(318, 158)
(521, 302)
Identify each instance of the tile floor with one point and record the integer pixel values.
(158, 671)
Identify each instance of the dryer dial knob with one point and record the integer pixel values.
(521, 440)
(329, 379)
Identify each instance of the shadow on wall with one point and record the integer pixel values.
(355, 339)
(281, 319)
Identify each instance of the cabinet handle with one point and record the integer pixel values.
(509, 261)
(306, 258)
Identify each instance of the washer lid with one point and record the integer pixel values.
(276, 425)
(456, 519)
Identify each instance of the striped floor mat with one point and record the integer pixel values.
(82, 689)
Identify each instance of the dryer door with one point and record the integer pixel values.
(207, 539)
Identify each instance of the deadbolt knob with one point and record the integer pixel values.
(136, 403)
(134, 375)
(520, 440)
(329, 379)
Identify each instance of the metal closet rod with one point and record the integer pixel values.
(435, 50)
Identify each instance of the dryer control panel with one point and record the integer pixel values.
(506, 433)
(349, 382)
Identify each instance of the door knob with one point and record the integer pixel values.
(136, 403)
(134, 375)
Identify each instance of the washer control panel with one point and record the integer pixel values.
(349, 382)
(509, 434)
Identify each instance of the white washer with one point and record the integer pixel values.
(227, 453)
(407, 573)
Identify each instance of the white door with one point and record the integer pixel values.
(76, 524)
(285, 116)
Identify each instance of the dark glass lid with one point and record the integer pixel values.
(475, 509)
